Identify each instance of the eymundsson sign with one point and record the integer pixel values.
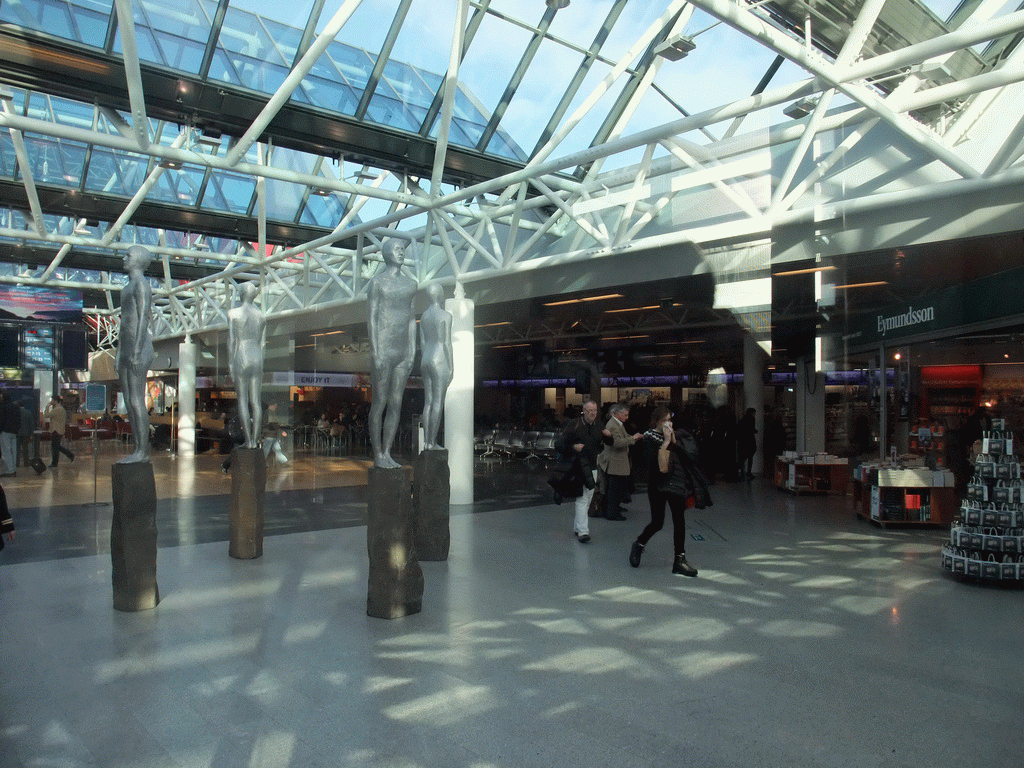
(993, 297)
(910, 317)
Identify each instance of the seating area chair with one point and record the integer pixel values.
(483, 443)
(503, 442)
(545, 446)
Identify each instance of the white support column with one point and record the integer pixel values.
(753, 393)
(186, 399)
(810, 407)
(458, 403)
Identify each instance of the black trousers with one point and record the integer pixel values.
(677, 504)
(617, 487)
(56, 449)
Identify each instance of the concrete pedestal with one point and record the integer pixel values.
(133, 537)
(395, 586)
(248, 488)
(431, 491)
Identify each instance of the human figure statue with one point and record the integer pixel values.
(247, 333)
(436, 367)
(392, 327)
(135, 349)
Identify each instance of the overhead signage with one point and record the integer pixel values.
(301, 379)
(994, 297)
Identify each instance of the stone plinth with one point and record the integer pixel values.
(395, 586)
(248, 488)
(133, 537)
(431, 491)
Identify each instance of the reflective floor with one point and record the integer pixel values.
(809, 638)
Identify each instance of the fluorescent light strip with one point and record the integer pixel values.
(803, 271)
(861, 285)
(586, 298)
(326, 333)
(622, 338)
(632, 309)
(509, 346)
(491, 325)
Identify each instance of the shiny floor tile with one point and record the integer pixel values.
(809, 638)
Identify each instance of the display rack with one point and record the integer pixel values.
(986, 541)
(812, 474)
(916, 497)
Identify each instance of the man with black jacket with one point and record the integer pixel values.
(583, 436)
(10, 423)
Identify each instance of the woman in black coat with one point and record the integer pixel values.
(674, 479)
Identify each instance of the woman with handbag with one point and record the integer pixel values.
(673, 479)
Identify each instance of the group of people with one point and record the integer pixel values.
(17, 427)
(596, 455)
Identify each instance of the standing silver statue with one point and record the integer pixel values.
(392, 327)
(436, 366)
(247, 335)
(135, 348)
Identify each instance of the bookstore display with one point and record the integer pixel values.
(986, 541)
(812, 473)
(904, 492)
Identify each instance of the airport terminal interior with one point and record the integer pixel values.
(805, 213)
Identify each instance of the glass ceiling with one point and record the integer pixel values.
(533, 82)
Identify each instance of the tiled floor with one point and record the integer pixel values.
(808, 639)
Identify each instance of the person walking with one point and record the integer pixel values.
(675, 480)
(26, 428)
(10, 423)
(6, 521)
(746, 443)
(58, 418)
(582, 438)
(614, 460)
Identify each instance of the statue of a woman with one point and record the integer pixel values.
(392, 327)
(247, 334)
(135, 349)
(436, 366)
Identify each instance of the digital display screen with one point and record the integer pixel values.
(74, 351)
(39, 348)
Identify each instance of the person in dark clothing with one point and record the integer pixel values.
(723, 444)
(6, 521)
(674, 479)
(746, 443)
(10, 424)
(582, 437)
(25, 431)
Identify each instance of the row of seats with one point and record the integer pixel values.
(516, 444)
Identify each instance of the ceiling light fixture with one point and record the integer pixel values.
(801, 108)
(171, 165)
(320, 191)
(675, 48)
(585, 298)
(861, 285)
(210, 137)
(558, 4)
(631, 309)
(803, 271)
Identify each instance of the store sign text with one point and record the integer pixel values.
(910, 317)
